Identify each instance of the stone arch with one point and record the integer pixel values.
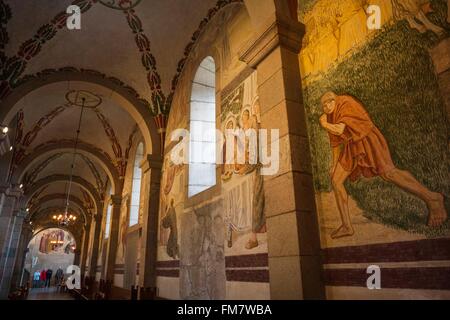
(75, 235)
(35, 233)
(99, 156)
(64, 178)
(125, 96)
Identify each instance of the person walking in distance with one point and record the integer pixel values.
(48, 278)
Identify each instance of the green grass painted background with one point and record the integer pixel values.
(393, 76)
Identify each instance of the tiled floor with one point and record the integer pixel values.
(48, 294)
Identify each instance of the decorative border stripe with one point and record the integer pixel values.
(170, 273)
(247, 261)
(168, 264)
(420, 250)
(399, 278)
(245, 268)
(248, 275)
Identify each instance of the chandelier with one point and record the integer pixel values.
(65, 219)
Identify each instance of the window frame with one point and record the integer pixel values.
(136, 164)
(214, 190)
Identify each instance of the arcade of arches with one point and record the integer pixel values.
(308, 76)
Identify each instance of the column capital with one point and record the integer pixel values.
(116, 200)
(20, 213)
(12, 192)
(279, 32)
(4, 187)
(152, 162)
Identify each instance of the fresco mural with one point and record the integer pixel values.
(171, 196)
(376, 120)
(214, 246)
(359, 149)
(56, 241)
(123, 228)
(50, 249)
(242, 183)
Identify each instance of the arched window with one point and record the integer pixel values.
(136, 186)
(202, 143)
(108, 217)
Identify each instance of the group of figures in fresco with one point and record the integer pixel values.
(242, 182)
(56, 241)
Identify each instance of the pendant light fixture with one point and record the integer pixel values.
(66, 218)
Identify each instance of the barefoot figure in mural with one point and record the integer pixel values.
(359, 149)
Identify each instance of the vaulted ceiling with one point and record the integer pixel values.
(127, 53)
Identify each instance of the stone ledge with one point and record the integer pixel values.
(277, 33)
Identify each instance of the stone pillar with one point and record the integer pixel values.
(77, 257)
(27, 234)
(113, 240)
(9, 253)
(151, 170)
(295, 267)
(8, 199)
(95, 245)
(85, 246)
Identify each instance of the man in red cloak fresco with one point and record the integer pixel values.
(359, 149)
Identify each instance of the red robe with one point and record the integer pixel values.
(365, 152)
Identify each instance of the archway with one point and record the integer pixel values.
(83, 148)
(89, 188)
(124, 95)
(49, 253)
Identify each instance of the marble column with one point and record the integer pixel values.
(113, 240)
(151, 170)
(26, 235)
(9, 253)
(95, 245)
(85, 246)
(77, 257)
(8, 200)
(295, 268)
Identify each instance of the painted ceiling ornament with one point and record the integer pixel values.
(78, 97)
(161, 123)
(95, 173)
(15, 66)
(30, 178)
(120, 4)
(5, 15)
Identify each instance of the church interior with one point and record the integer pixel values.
(224, 149)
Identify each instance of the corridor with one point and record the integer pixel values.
(224, 149)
